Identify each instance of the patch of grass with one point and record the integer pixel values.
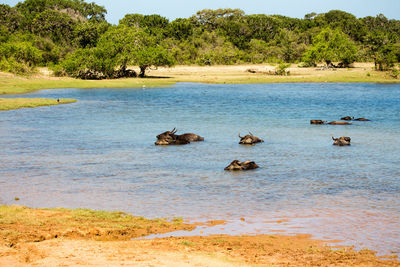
(11, 84)
(17, 103)
(188, 243)
(26, 224)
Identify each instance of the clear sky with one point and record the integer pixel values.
(293, 8)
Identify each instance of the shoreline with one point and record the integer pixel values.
(219, 74)
(87, 237)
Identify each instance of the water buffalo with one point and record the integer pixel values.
(362, 119)
(170, 138)
(317, 122)
(347, 118)
(241, 166)
(249, 139)
(341, 141)
(339, 123)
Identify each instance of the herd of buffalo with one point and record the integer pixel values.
(171, 138)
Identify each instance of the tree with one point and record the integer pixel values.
(116, 49)
(75, 8)
(88, 33)
(155, 25)
(56, 25)
(211, 19)
(11, 18)
(331, 46)
(381, 50)
(180, 29)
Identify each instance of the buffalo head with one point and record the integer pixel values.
(347, 118)
(341, 141)
(241, 166)
(166, 138)
(249, 139)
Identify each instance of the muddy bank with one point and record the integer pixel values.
(53, 237)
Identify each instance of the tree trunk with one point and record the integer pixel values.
(142, 71)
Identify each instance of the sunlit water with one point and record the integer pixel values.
(99, 153)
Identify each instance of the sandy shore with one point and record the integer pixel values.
(62, 237)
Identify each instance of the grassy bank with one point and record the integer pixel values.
(361, 73)
(10, 84)
(20, 224)
(53, 237)
(16, 103)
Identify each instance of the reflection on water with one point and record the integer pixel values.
(99, 153)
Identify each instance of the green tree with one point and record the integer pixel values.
(118, 48)
(88, 33)
(381, 50)
(56, 25)
(331, 46)
(11, 18)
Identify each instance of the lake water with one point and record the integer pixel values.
(99, 153)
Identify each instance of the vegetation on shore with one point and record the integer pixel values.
(17, 103)
(21, 224)
(73, 38)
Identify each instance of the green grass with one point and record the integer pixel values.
(21, 85)
(17, 103)
(19, 223)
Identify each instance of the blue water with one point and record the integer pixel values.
(99, 153)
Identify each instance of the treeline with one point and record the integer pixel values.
(73, 38)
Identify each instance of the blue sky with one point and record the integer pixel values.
(293, 8)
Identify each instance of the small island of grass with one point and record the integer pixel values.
(17, 103)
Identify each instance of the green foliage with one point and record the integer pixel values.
(381, 50)
(88, 33)
(54, 24)
(10, 18)
(212, 19)
(394, 73)
(117, 48)
(180, 29)
(19, 57)
(75, 33)
(331, 46)
(155, 25)
(78, 9)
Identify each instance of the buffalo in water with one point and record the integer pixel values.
(170, 138)
(339, 123)
(341, 141)
(317, 122)
(249, 139)
(348, 118)
(362, 119)
(241, 166)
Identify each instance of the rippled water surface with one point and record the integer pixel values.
(99, 153)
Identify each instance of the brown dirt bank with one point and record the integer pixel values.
(62, 237)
